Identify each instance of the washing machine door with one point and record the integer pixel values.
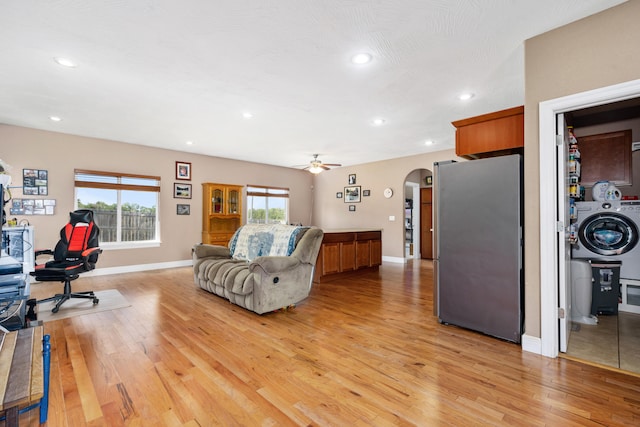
(608, 234)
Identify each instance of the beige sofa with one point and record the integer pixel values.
(264, 268)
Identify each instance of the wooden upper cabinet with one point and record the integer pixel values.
(491, 134)
(606, 157)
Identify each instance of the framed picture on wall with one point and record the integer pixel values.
(35, 182)
(181, 191)
(183, 171)
(183, 209)
(352, 194)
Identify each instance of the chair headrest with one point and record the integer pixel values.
(81, 215)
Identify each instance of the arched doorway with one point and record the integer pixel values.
(418, 215)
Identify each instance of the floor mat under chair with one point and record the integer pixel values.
(110, 299)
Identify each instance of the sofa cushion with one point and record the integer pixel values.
(254, 240)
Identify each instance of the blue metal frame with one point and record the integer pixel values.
(44, 401)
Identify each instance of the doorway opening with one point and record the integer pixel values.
(418, 220)
(552, 262)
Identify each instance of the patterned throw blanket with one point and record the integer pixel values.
(253, 240)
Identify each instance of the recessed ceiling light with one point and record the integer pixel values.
(65, 62)
(429, 142)
(247, 115)
(361, 58)
(55, 118)
(189, 142)
(465, 96)
(377, 122)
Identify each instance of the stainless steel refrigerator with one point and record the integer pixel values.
(479, 245)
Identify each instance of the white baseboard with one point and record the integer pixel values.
(139, 267)
(394, 259)
(531, 344)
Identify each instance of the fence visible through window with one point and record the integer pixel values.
(136, 226)
(125, 205)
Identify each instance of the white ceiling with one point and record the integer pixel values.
(163, 72)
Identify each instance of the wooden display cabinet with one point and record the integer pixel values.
(489, 135)
(221, 212)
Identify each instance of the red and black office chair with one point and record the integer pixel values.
(76, 253)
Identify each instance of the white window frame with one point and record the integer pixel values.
(268, 193)
(104, 181)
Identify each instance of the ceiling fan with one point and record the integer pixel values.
(316, 166)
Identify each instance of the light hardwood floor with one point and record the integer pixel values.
(357, 352)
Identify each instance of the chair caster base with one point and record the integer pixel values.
(95, 301)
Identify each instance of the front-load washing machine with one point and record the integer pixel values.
(609, 231)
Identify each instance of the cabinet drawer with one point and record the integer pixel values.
(338, 237)
(369, 235)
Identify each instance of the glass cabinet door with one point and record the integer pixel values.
(233, 201)
(217, 201)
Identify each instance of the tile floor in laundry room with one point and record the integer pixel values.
(614, 341)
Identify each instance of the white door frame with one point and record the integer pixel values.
(549, 256)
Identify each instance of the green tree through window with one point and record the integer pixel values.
(267, 205)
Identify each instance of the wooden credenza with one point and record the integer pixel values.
(347, 252)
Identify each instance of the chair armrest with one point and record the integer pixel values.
(90, 251)
(86, 256)
(39, 252)
(205, 251)
(274, 264)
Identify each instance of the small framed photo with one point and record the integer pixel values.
(183, 209)
(366, 193)
(352, 194)
(183, 171)
(352, 179)
(339, 195)
(181, 191)
(352, 208)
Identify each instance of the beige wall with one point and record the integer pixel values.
(594, 52)
(373, 211)
(60, 154)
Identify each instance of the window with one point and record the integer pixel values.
(125, 206)
(267, 205)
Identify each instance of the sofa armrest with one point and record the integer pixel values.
(309, 245)
(205, 251)
(274, 264)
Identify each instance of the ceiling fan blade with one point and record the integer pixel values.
(323, 166)
(332, 164)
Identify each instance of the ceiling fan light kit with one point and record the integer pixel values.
(316, 166)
